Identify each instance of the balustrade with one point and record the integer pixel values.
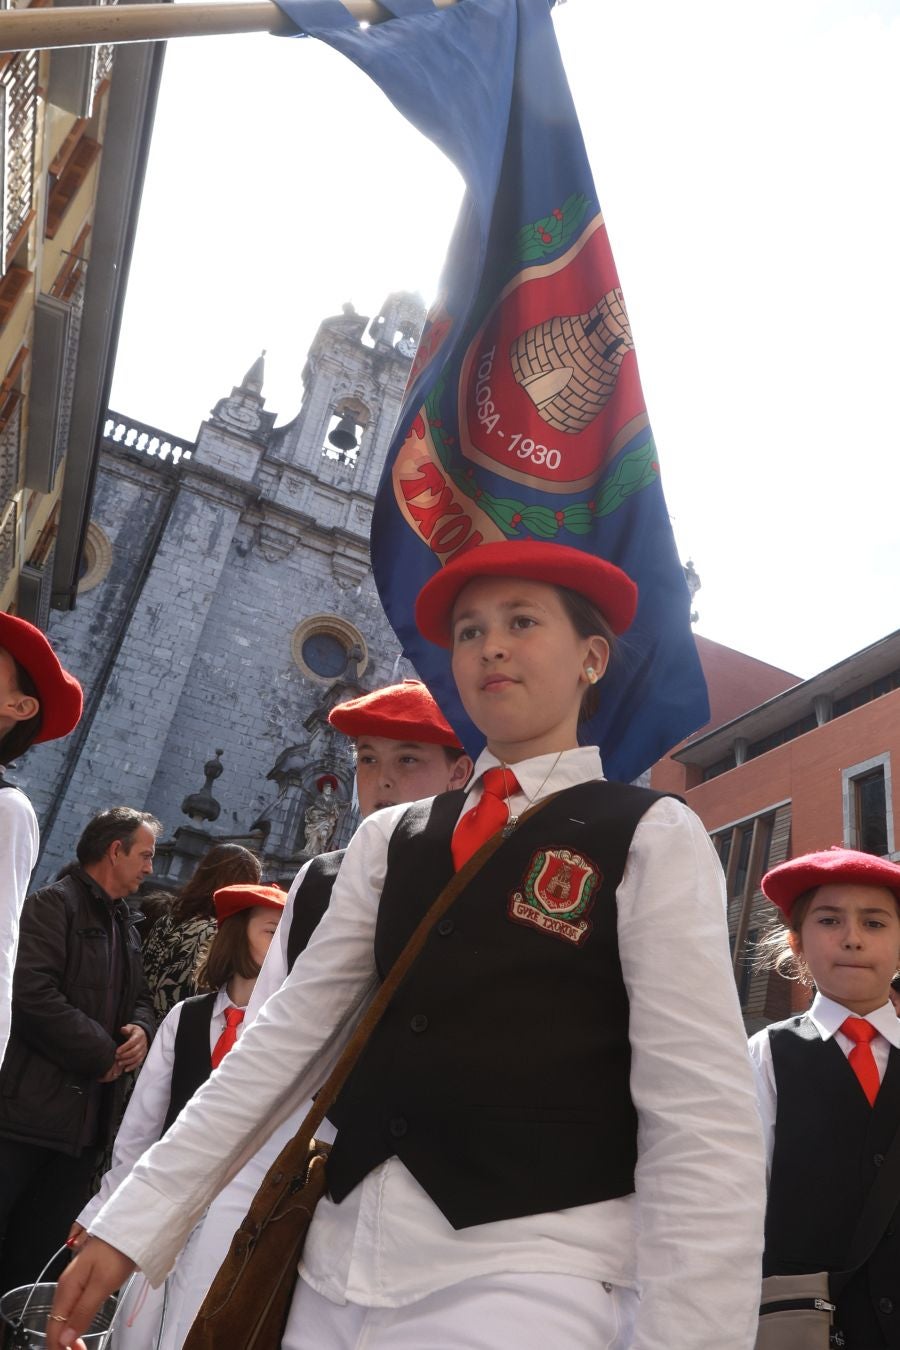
(119, 430)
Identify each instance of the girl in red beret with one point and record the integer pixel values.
(192, 1040)
(550, 1138)
(828, 1081)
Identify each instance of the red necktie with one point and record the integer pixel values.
(862, 1061)
(489, 816)
(233, 1019)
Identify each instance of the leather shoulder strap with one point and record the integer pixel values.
(395, 976)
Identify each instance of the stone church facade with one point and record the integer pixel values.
(226, 603)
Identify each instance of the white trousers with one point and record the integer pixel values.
(491, 1312)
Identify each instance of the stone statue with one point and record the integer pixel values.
(321, 817)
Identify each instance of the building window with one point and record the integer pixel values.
(738, 878)
(73, 163)
(325, 654)
(745, 967)
(745, 850)
(18, 130)
(871, 813)
(868, 808)
(325, 647)
(96, 559)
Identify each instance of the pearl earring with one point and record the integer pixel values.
(591, 674)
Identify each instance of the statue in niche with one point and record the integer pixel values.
(321, 816)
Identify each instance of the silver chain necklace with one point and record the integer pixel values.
(514, 820)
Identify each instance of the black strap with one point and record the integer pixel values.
(877, 1211)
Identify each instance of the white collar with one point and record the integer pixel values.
(222, 1001)
(546, 773)
(827, 1016)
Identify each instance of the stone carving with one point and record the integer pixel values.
(321, 817)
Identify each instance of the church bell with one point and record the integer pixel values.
(343, 436)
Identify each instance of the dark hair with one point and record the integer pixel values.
(22, 735)
(452, 753)
(222, 865)
(119, 823)
(895, 984)
(588, 621)
(228, 954)
(152, 905)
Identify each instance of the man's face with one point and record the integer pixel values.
(389, 773)
(129, 866)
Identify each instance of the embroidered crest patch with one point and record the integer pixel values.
(557, 894)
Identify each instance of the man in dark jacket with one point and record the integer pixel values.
(82, 1016)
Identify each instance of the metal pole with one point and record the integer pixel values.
(90, 25)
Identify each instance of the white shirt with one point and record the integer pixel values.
(690, 1239)
(19, 841)
(145, 1116)
(826, 1016)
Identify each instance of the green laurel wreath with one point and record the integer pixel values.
(636, 470)
(553, 232)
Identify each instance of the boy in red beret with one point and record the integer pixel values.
(39, 701)
(406, 750)
(828, 1081)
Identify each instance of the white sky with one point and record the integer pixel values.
(746, 160)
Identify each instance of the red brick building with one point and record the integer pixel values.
(783, 767)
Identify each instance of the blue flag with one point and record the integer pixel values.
(523, 416)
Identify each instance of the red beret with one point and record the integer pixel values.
(59, 692)
(601, 582)
(402, 712)
(230, 900)
(784, 883)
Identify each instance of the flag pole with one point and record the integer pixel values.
(91, 25)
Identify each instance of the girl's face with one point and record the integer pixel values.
(850, 939)
(260, 927)
(520, 666)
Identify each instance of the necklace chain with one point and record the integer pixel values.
(513, 821)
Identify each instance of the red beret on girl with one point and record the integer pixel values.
(58, 692)
(601, 582)
(402, 712)
(230, 900)
(784, 883)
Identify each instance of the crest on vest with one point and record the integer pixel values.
(557, 894)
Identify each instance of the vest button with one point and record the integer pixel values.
(398, 1127)
(885, 1305)
(445, 927)
(418, 1023)
(878, 1159)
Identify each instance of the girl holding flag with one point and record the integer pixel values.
(551, 1136)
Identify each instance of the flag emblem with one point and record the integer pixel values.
(557, 894)
(551, 375)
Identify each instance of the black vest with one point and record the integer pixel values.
(829, 1144)
(311, 901)
(499, 1074)
(192, 1063)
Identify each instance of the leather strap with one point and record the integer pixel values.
(395, 976)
